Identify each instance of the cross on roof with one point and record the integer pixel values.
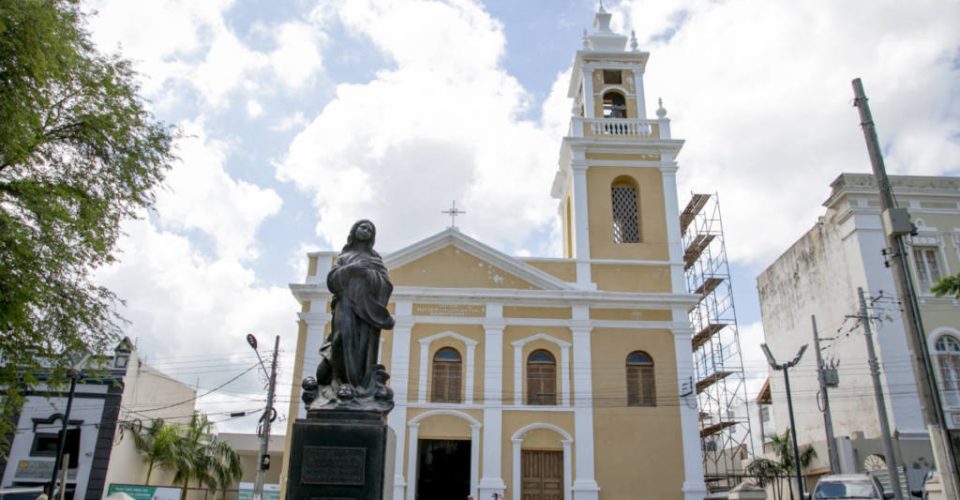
(453, 212)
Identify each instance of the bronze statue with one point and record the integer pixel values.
(348, 375)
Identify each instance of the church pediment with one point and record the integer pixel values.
(453, 260)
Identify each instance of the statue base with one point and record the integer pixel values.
(341, 454)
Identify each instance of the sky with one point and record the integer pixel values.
(298, 117)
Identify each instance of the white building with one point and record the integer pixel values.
(108, 398)
(819, 275)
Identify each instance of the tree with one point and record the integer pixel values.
(79, 153)
(783, 448)
(948, 285)
(224, 466)
(158, 443)
(191, 459)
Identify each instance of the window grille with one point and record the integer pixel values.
(446, 376)
(541, 378)
(625, 226)
(641, 383)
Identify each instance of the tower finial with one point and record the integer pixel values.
(661, 111)
(601, 7)
(633, 40)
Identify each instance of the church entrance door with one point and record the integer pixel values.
(542, 473)
(443, 471)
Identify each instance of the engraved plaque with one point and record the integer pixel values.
(338, 465)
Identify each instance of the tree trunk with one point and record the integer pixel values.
(149, 471)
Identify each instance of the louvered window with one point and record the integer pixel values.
(541, 378)
(446, 376)
(928, 267)
(641, 384)
(626, 228)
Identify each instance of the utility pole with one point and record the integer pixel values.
(263, 462)
(785, 367)
(827, 418)
(74, 373)
(878, 397)
(897, 226)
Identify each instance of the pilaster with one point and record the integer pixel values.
(585, 485)
(491, 481)
(399, 365)
(694, 487)
(581, 219)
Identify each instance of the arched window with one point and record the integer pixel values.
(641, 384)
(948, 359)
(446, 376)
(614, 105)
(623, 198)
(541, 378)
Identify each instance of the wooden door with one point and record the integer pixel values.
(542, 475)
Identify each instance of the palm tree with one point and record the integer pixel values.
(224, 465)
(767, 472)
(191, 460)
(157, 443)
(782, 446)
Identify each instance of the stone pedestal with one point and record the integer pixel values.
(341, 454)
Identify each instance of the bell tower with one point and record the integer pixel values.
(616, 181)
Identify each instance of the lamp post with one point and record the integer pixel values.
(785, 367)
(74, 373)
(263, 460)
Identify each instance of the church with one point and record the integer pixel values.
(548, 378)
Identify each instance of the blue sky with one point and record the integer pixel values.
(299, 117)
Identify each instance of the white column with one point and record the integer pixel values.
(492, 481)
(588, 92)
(585, 486)
(468, 393)
(517, 373)
(638, 89)
(567, 470)
(693, 486)
(474, 459)
(674, 238)
(581, 219)
(517, 443)
(316, 324)
(400, 366)
(565, 374)
(422, 386)
(414, 433)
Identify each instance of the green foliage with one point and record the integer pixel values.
(191, 451)
(158, 445)
(770, 472)
(948, 285)
(79, 153)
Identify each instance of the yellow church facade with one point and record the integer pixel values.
(554, 378)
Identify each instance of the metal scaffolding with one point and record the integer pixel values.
(720, 382)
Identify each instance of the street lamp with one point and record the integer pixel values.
(74, 373)
(793, 426)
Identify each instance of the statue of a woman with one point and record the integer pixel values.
(348, 375)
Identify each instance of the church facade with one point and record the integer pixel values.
(549, 378)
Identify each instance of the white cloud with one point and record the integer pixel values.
(297, 57)
(442, 125)
(180, 42)
(761, 91)
(200, 195)
(254, 109)
(183, 304)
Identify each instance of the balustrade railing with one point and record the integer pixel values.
(614, 127)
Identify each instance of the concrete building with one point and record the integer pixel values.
(555, 377)
(108, 398)
(819, 275)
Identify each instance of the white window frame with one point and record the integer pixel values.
(951, 398)
(921, 267)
